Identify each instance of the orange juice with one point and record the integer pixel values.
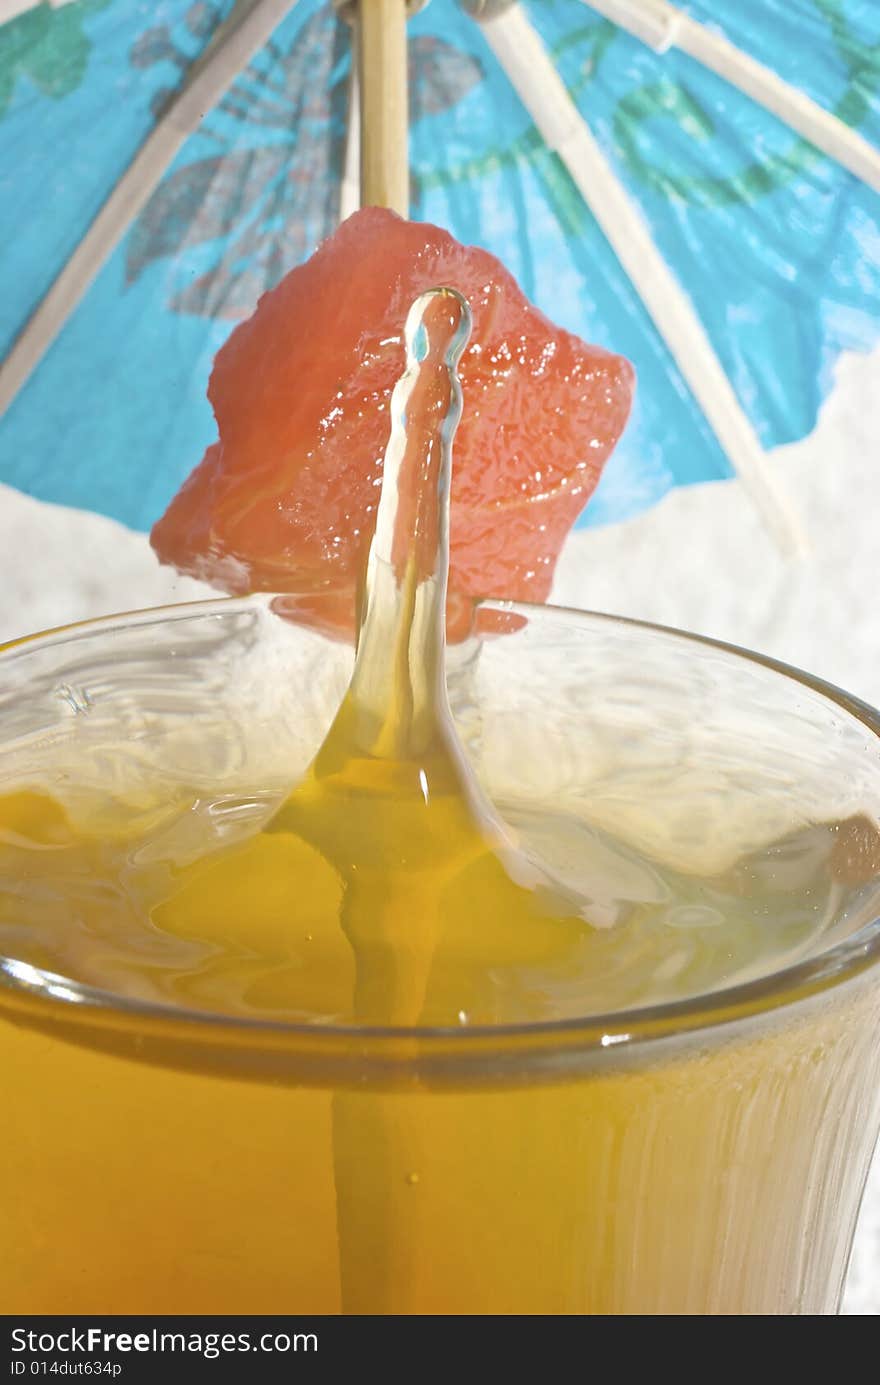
(703, 1155)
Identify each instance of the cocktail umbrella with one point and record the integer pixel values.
(703, 199)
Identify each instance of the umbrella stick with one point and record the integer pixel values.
(383, 104)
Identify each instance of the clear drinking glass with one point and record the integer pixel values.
(700, 1156)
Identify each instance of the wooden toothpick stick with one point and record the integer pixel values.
(383, 104)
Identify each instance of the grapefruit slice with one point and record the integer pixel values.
(285, 501)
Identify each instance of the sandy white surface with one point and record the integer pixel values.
(700, 560)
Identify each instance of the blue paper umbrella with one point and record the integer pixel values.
(695, 188)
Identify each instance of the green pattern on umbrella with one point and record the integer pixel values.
(48, 46)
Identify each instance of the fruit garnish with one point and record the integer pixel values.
(286, 500)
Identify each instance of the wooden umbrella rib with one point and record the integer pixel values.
(663, 26)
(522, 55)
(236, 41)
(13, 9)
(350, 185)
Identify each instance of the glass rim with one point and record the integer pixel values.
(59, 1000)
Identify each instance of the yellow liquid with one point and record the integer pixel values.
(145, 1172)
(153, 1168)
